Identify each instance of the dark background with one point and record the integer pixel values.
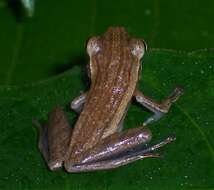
(40, 47)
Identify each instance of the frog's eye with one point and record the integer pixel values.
(93, 45)
(138, 47)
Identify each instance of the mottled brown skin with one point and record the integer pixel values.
(96, 141)
(114, 75)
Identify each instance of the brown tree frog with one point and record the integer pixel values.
(97, 141)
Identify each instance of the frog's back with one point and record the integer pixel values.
(114, 78)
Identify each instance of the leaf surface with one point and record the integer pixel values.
(188, 163)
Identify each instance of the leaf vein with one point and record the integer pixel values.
(15, 54)
(197, 126)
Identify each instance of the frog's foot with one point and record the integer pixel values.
(54, 137)
(115, 150)
(159, 109)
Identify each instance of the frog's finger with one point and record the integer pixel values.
(78, 102)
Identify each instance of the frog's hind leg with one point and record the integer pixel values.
(123, 159)
(54, 138)
(159, 109)
(114, 151)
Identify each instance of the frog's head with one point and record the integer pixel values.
(112, 48)
(116, 38)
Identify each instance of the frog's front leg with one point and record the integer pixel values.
(78, 102)
(159, 109)
(115, 150)
(54, 138)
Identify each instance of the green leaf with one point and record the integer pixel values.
(188, 163)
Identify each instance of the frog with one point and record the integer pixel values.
(98, 141)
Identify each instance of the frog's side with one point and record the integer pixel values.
(96, 141)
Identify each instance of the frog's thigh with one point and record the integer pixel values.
(159, 109)
(113, 145)
(78, 102)
(54, 138)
